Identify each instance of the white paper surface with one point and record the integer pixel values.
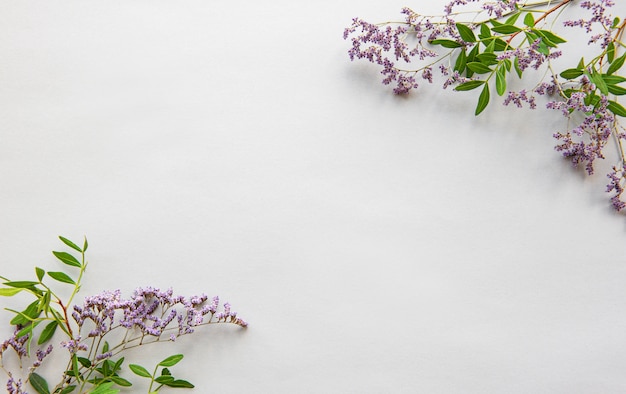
(376, 244)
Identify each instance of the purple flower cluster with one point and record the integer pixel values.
(386, 45)
(598, 16)
(584, 143)
(149, 311)
(18, 344)
(617, 179)
(15, 386)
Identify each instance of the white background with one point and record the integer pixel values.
(375, 243)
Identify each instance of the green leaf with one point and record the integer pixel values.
(491, 47)
(164, 379)
(571, 73)
(616, 90)
(529, 19)
(22, 284)
(105, 347)
(466, 33)
(70, 244)
(508, 64)
(61, 277)
(165, 371)
(581, 63)
(27, 315)
(610, 52)
(9, 291)
(501, 80)
(469, 85)
(616, 108)
(67, 390)
(26, 330)
(171, 360)
(180, 383)
(39, 383)
(517, 68)
(40, 273)
(500, 45)
(512, 19)
(599, 82)
(139, 370)
(616, 65)
(120, 381)
(85, 245)
(553, 38)
(506, 29)
(118, 364)
(613, 79)
(84, 361)
(48, 332)
(459, 65)
(478, 67)
(485, 32)
(446, 43)
(615, 22)
(488, 59)
(483, 100)
(67, 258)
(105, 388)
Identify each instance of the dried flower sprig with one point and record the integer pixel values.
(481, 48)
(98, 331)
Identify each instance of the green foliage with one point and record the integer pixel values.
(165, 378)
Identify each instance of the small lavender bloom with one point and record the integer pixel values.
(41, 354)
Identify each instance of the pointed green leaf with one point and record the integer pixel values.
(180, 383)
(469, 85)
(105, 347)
(459, 65)
(616, 90)
(70, 244)
(512, 19)
(27, 315)
(610, 52)
(466, 33)
(40, 273)
(85, 245)
(488, 59)
(105, 388)
(139, 370)
(22, 284)
(171, 360)
(48, 332)
(165, 371)
(446, 43)
(84, 361)
(67, 258)
(483, 100)
(67, 390)
(478, 67)
(39, 383)
(485, 32)
(501, 80)
(571, 73)
(120, 381)
(616, 108)
(517, 68)
(164, 379)
(61, 277)
(599, 82)
(616, 65)
(613, 79)
(506, 29)
(529, 19)
(551, 36)
(10, 291)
